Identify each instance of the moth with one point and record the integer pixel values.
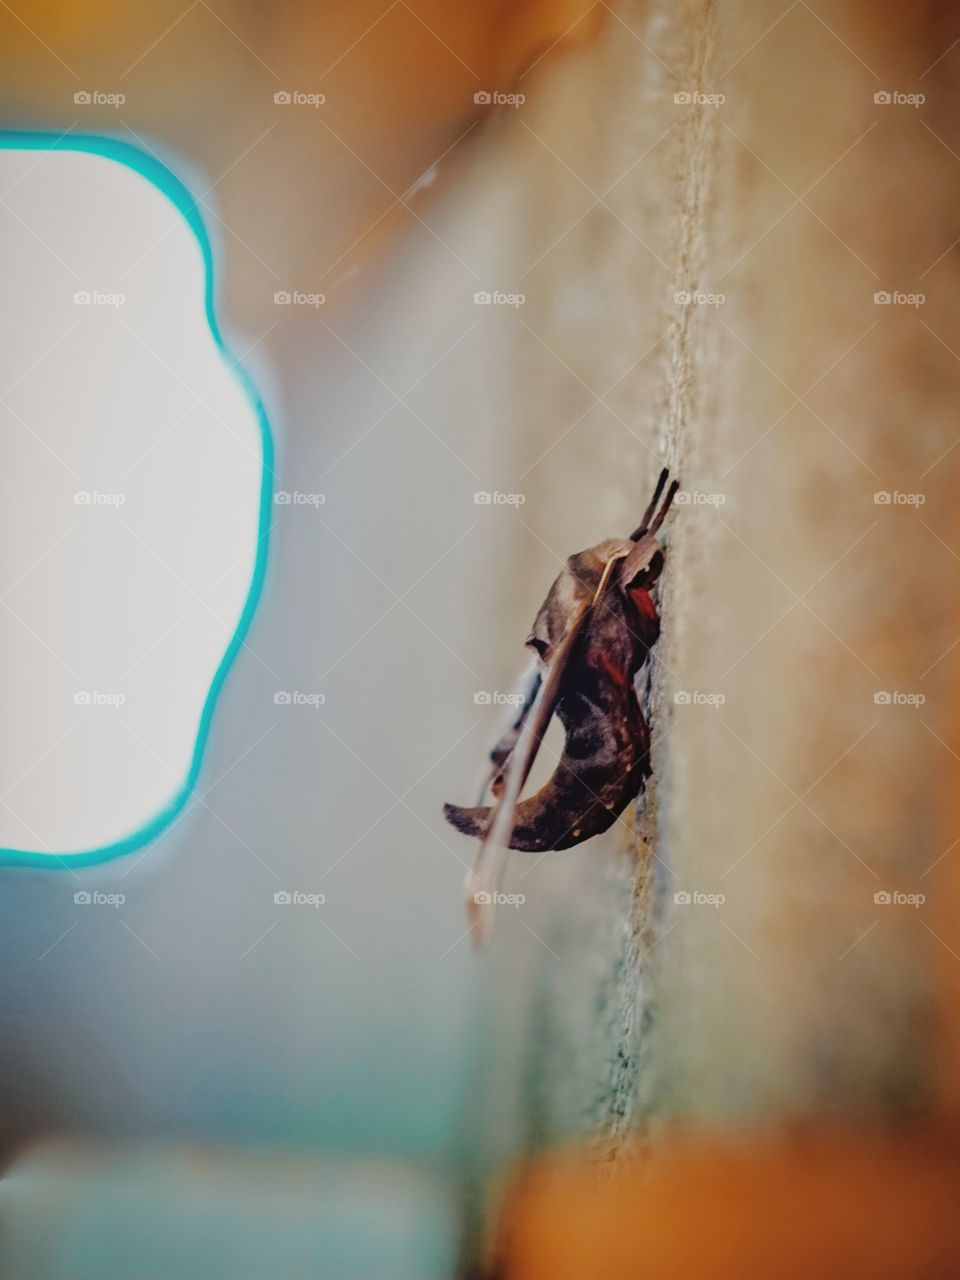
(590, 638)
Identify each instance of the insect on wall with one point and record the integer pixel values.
(591, 636)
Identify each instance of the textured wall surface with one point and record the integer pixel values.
(613, 178)
(785, 197)
(807, 598)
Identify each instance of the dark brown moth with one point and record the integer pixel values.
(591, 636)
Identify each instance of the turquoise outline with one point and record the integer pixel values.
(177, 193)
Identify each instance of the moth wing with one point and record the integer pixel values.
(639, 559)
(523, 696)
(484, 880)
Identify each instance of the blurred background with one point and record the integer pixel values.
(535, 251)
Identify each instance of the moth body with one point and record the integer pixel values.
(592, 635)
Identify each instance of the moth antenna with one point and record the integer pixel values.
(662, 514)
(644, 523)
